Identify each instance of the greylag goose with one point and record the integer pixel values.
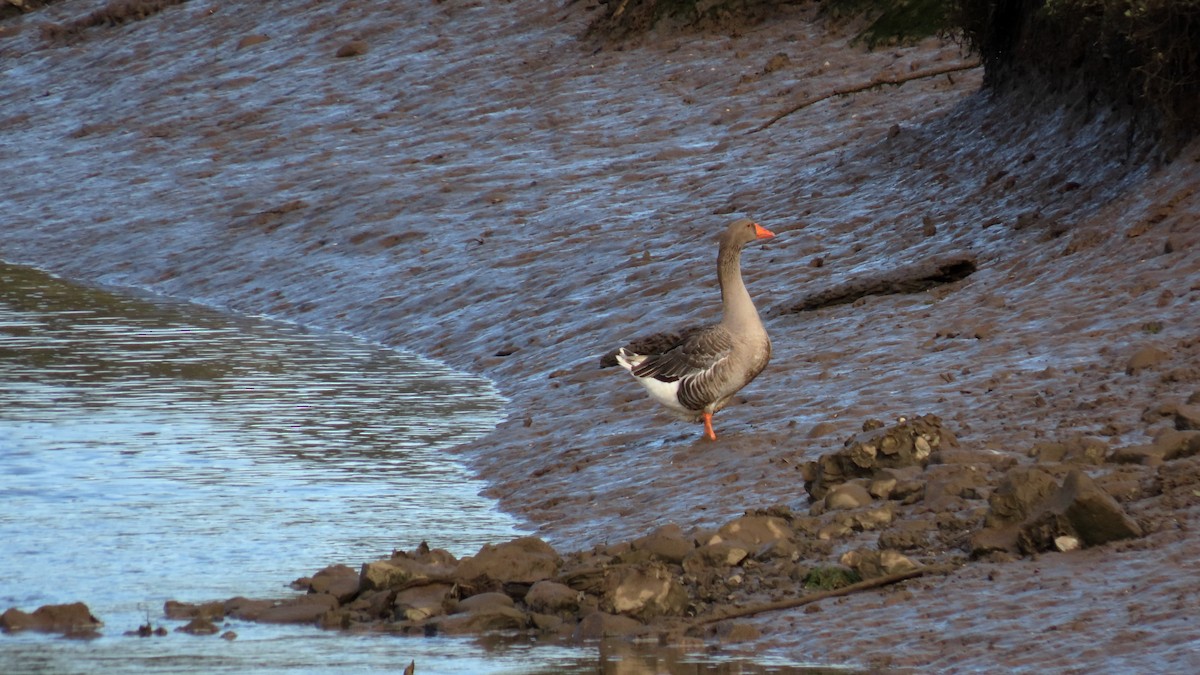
(696, 372)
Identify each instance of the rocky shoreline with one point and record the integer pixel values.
(896, 503)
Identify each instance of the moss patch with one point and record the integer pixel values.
(829, 578)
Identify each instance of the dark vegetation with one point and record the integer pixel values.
(1140, 55)
(1143, 54)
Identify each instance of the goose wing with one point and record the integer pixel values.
(696, 362)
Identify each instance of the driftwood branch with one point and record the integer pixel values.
(877, 81)
(790, 603)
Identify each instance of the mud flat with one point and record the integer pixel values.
(475, 182)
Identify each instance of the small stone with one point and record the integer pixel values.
(199, 627)
(873, 519)
(778, 61)
(251, 40)
(847, 496)
(893, 562)
(1066, 543)
(352, 48)
(1146, 357)
(186, 610)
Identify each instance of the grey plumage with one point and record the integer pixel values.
(698, 373)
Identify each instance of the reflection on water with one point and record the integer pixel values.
(153, 451)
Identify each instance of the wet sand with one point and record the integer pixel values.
(483, 187)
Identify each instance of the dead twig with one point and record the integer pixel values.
(790, 603)
(877, 81)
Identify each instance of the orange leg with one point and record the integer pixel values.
(708, 430)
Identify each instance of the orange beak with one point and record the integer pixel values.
(762, 232)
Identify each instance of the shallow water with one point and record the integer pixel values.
(154, 451)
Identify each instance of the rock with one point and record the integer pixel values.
(1021, 492)
(667, 543)
(907, 443)
(1079, 509)
(199, 626)
(302, 609)
(881, 487)
(404, 567)
(1086, 450)
(70, 619)
(873, 519)
(185, 610)
(644, 592)
(246, 608)
(947, 485)
(340, 581)
(597, 625)
(547, 623)
(907, 534)
(551, 597)
(1048, 451)
(483, 602)
(1146, 455)
(1187, 417)
(847, 496)
(1176, 443)
(994, 540)
(383, 575)
(420, 602)
(1145, 357)
(486, 620)
(523, 560)
(1095, 515)
(755, 531)
(719, 555)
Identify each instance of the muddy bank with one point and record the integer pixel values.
(487, 211)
